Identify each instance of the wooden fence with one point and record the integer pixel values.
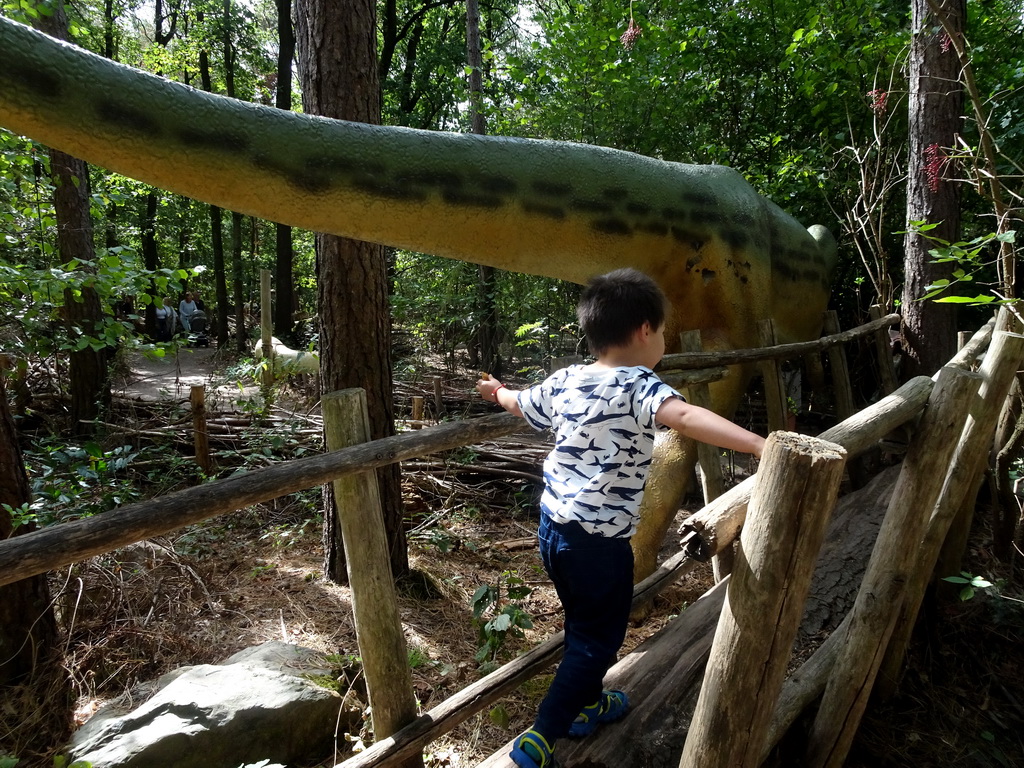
(710, 532)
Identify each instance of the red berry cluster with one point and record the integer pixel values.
(934, 162)
(630, 35)
(878, 101)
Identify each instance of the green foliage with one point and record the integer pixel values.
(969, 584)
(968, 260)
(74, 481)
(507, 615)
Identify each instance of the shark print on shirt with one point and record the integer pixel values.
(604, 428)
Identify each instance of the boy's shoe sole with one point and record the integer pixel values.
(615, 705)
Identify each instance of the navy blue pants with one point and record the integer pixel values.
(593, 576)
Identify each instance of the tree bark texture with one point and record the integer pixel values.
(336, 43)
(28, 630)
(790, 506)
(935, 117)
(882, 589)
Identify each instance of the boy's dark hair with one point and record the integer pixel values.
(613, 306)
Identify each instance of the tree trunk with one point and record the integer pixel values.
(285, 305)
(487, 279)
(28, 631)
(220, 281)
(338, 65)
(151, 260)
(936, 106)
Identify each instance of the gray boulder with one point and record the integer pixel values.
(260, 706)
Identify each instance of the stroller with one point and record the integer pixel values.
(197, 336)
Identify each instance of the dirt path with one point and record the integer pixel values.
(172, 376)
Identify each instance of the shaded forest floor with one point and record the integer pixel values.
(256, 575)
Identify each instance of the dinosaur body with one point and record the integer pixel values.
(725, 256)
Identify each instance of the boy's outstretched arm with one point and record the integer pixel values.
(494, 391)
(708, 427)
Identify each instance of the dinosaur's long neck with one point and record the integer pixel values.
(550, 208)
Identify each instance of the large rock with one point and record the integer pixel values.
(259, 705)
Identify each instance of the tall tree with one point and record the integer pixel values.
(285, 305)
(935, 119)
(216, 218)
(337, 57)
(28, 630)
(487, 277)
(89, 381)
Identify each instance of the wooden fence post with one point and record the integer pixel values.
(998, 372)
(840, 370)
(883, 350)
(200, 434)
(708, 455)
(794, 492)
(417, 411)
(438, 399)
(374, 604)
(771, 373)
(882, 590)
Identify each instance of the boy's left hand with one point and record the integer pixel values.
(488, 387)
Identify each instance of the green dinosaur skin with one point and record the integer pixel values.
(725, 256)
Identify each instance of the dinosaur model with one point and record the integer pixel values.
(725, 256)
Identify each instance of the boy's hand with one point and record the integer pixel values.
(488, 387)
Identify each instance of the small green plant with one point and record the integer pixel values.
(418, 658)
(71, 481)
(507, 615)
(968, 257)
(969, 584)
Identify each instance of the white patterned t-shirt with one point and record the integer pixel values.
(604, 438)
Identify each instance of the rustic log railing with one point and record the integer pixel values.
(708, 532)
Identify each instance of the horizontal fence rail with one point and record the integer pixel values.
(59, 545)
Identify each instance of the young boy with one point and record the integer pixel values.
(604, 416)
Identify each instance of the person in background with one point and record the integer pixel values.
(166, 320)
(604, 416)
(186, 309)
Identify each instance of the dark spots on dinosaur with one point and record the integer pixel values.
(612, 226)
(127, 117)
(688, 237)
(44, 84)
(471, 199)
(707, 275)
(699, 199)
(654, 228)
(496, 185)
(330, 165)
(638, 209)
(736, 239)
(615, 193)
(744, 279)
(590, 206)
(312, 178)
(551, 188)
(707, 217)
(542, 209)
(693, 261)
(227, 142)
(443, 179)
(373, 184)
